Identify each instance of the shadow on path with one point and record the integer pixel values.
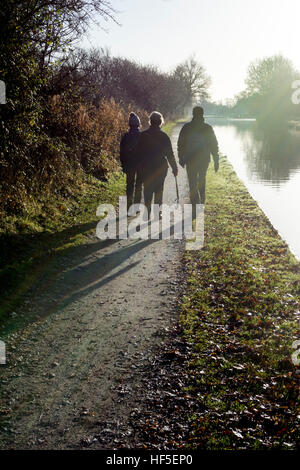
(83, 280)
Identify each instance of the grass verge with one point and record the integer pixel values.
(241, 315)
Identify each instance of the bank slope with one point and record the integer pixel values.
(240, 313)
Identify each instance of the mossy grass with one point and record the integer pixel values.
(169, 126)
(241, 313)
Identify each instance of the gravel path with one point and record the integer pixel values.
(100, 309)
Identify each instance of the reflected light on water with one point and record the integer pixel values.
(269, 165)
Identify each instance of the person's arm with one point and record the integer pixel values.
(214, 148)
(181, 146)
(170, 156)
(122, 153)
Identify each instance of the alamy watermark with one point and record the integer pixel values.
(164, 222)
(2, 353)
(296, 353)
(2, 92)
(296, 94)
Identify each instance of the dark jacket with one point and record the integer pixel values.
(196, 142)
(154, 151)
(128, 145)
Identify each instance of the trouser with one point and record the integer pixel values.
(154, 187)
(196, 172)
(133, 187)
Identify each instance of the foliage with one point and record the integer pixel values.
(31, 33)
(268, 95)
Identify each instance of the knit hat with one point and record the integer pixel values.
(134, 120)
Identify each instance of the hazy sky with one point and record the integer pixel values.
(224, 35)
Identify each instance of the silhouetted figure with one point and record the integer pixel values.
(196, 142)
(154, 152)
(128, 157)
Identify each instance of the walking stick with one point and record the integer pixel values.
(177, 191)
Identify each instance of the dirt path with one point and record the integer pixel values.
(99, 308)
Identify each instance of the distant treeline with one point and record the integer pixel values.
(268, 93)
(66, 107)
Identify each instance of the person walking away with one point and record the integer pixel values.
(154, 152)
(196, 143)
(128, 157)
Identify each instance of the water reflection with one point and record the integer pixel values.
(268, 161)
(272, 153)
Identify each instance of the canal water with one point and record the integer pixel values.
(268, 162)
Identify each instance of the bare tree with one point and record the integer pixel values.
(193, 75)
(49, 26)
(98, 75)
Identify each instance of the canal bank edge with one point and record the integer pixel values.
(240, 313)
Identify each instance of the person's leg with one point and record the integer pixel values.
(158, 193)
(138, 188)
(202, 181)
(148, 195)
(159, 189)
(192, 174)
(129, 187)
